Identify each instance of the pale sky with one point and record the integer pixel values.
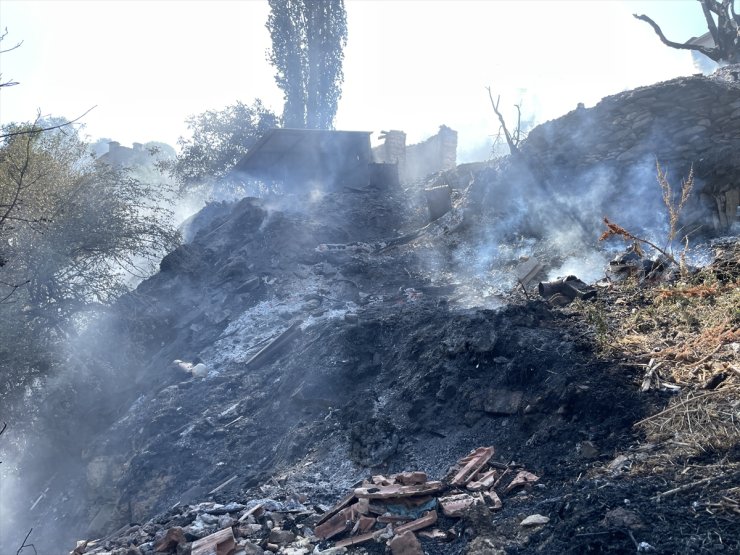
(409, 64)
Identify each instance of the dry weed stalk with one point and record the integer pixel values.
(616, 230)
(674, 208)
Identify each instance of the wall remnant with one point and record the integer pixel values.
(415, 162)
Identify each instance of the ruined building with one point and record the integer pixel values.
(417, 161)
(119, 155)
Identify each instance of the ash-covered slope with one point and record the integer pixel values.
(340, 343)
(379, 369)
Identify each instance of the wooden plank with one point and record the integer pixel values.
(341, 504)
(355, 540)
(477, 460)
(428, 519)
(220, 543)
(398, 491)
(484, 481)
(337, 524)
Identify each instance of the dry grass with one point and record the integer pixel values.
(686, 337)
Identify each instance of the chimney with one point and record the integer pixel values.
(113, 146)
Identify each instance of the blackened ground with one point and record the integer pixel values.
(387, 374)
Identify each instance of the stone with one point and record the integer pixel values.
(225, 521)
(281, 537)
(248, 530)
(252, 549)
(534, 520)
(622, 518)
(405, 544)
(587, 450)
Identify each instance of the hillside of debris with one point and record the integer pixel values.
(349, 373)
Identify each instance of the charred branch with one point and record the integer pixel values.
(24, 545)
(34, 129)
(725, 32)
(511, 139)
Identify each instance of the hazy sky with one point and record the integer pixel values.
(410, 65)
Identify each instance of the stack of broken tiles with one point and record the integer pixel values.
(386, 507)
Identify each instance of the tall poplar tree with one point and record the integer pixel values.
(308, 40)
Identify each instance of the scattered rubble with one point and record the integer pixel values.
(382, 509)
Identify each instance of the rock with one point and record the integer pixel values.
(622, 518)
(252, 549)
(534, 520)
(405, 544)
(200, 370)
(224, 509)
(281, 537)
(249, 530)
(225, 521)
(587, 450)
(483, 546)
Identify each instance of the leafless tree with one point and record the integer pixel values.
(724, 26)
(512, 138)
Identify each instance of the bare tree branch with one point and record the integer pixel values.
(509, 140)
(34, 130)
(725, 31)
(708, 52)
(2, 36)
(24, 545)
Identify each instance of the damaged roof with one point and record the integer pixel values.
(303, 154)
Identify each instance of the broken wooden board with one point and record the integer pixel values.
(474, 462)
(341, 504)
(398, 491)
(337, 524)
(493, 500)
(220, 543)
(427, 520)
(355, 540)
(483, 481)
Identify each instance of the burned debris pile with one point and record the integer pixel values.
(391, 510)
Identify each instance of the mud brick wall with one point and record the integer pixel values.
(683, 123)
(417, 161)
(435, 154)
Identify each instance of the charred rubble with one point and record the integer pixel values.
(359, 340)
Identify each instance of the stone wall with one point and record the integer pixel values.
(683, 123)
